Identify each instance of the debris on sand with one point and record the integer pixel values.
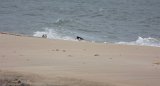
(44, 36)
(15, 82)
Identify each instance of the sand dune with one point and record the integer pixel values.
(44, 62)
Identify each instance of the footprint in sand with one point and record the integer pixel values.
(14, 51)
(21, 55)
(157, 63)
(64, 50)
(27, 59)
(84, 49)
(110, 58)
(57, 49)
(3, 56)
(70, 55)
(52, 50)
(96, 54)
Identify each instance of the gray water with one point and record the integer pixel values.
(94, 20)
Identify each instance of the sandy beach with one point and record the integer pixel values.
(45, 62)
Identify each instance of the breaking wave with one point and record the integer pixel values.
(143, 42)
(52, 34)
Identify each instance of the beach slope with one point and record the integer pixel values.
(43, 62)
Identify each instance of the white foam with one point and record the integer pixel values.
(52, 34)
(143, 42)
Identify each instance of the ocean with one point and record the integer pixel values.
(133, 22)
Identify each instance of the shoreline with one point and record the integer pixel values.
(22, 35)
(80, 63)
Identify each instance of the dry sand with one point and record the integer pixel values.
(44, 62)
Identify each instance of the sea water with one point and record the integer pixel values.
(135, 22)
